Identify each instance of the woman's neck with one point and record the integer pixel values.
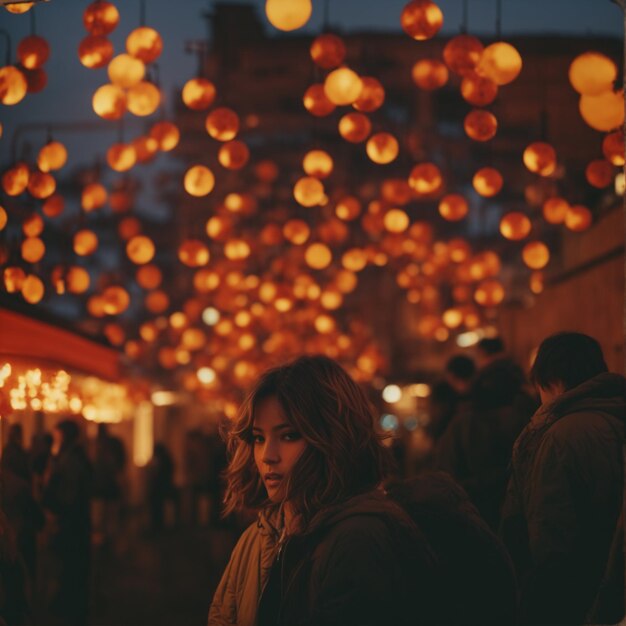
(291, 519)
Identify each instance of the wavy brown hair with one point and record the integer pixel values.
(344, 456)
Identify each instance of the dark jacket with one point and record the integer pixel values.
(564, 499)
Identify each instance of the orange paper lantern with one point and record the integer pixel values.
(480, 125)
(578, 218)
(328, 51)
(478, 90)
(233, 155)
(453, 207)
(599, 173)
(199, 94)
(109, 102)
(536, 255)
(308, 191)
(540, 158)
(343, 86)
(143, 99)
(126, 71)
(145, 44)
(372, 95)
(316, 101)
(13, 85)
(355, 127)
(429, 74)
(592, 73)
(382, 148)
(33, 51)
(199, 181)
(222, 124)
(487, 182)
(425, 179)
(555, 209)
(515, 226)
(317, 163)
(166, 134)
(101, 17)
(501, 62)
(613, 148)
(603, 112)
(95, 51)
(462, 53)
(421, 19)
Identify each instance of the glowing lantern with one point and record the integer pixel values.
(328, 51)
(18, 9)
(140, 249)
(199, 181)
(421, 19)
(555, 209)
(218, 227)
(540, 157)
(535, 255)
(236, 249)
(95, 51)
(33, 289)
(33, 52)
(41, 185)
(500, 62)
(101, 18)
(77, 279)
(157, 302)
(13, 85)
(33, 249)
(109, 102)
(115, 300)
(425, 179)
(396, 191)
(144, 43)
(348, 208)
(193, 253)
(372, 95)
(33, 225)
(233, 155)
(487, 182)
(317, 163)
(240, 203)
(94, 196)
(266, 171)
(308, 191)
(198, 94)
(599, 173)
(452, 318)
(382, 148)
(36, 80)
(603, 112)
(318, 256)
(396, 221)
(354, 259)
(316, 101)
(222, 124)
(121, 157)
(480, 125)
(592, 73)
(453, 207)
(296, 231)
(145, 148)
(143, 99)
(149, 276)
(166, 134)
(126, 71)
(462, 54)
(613, 148)
(459, 250)
(343, 86)
(4, 218)
(288, 14)
(515, 226)
(52, 156)
(429, 74)
(85, 242)
(13, 279)
(578, 218)
(478, 90)
(355, 127)
(489, 293)
(129, 227)
(15, 179)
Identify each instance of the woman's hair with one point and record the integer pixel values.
(344, 456)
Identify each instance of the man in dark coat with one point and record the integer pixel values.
(561, 515)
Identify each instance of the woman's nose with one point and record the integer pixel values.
(271, 454)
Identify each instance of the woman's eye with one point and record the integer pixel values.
(257, 439)
(293, 436)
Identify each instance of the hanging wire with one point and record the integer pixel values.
(7, 38)
(498, 19)
(33, 24)
(465, 18)
(142, 12)
(326, 18)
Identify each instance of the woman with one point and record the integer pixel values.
(328, 546)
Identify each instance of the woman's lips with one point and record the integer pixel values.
(272, 479)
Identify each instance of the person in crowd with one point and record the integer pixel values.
(476, 449)
(478, 577)
(160, 484)
(40, 455)
(15, 605)
(66, 497)
(329, 547)
(561, 518)
(14, 456)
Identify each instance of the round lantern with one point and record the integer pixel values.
(121, 157)
(555, 209)
(459, 250)
(36, 80)
(129, 227)
(500, 62)
(13, 278)
(487, 182)
(4, 218)
(144, 43)
(317, 163)
(372, 95)
(453, 207)
(140, 249)
(296, 231)
(266, 171)
(13, 85)
(199, 181)
(41, 185)
(613, 148)
(604, 112)
(396, 191)
(429, 74)
(421, 19)
(115, 300)
(540, 158)
(101, 17)
(489, 293)
(157, 301)
(77, 279)
(143, 99)
(382, 148)
(52, 156)
(95, 51)
(33, 249)
(308, 191)
(199, 94)
(166, 134)
(149, 276)
(592, 73)
(536, 255)
(32, 226)
(94, 196)
(15, 179)
(578, 218)
(126, 71)
(480, 125)
(85, 242)
(33, 51)
(33, 289)
(478, 90)
(193, 253)
(19, 9)
(396, 221)
(316, 101)
(318, 256)
(222, 124)
(355, 127)
(109, 102)
(328, 51)
(515, 226)
(236, 249)
(425, 179)
(145, 148)
(233, 155)
(288, 15)
(343, 86)
(348, 208)
(599, 173)
(462, 54)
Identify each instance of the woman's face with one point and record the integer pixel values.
(277, 447)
